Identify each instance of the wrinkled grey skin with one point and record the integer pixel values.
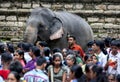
(43, 22)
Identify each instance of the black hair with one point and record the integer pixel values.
(101, 45)
(6, 57)
(16, 66)
(40, 61)
(87, 57)
(115, 43)
(21, 53)
(56, 50)
(71, 36)
(36, 51)
(90, 43)
(16, 75)
(2, 48)
(43, 43)
(107, 41)
(10, 47)
(77, 70)
(87, 67)
(19, 45)
(46, 51)
(118, 78)
(26, 47)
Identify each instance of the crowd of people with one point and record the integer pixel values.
(27, 62)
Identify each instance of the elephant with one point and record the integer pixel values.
(53, 27)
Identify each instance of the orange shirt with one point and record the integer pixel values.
(78, 48)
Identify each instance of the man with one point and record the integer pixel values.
(34, 53)
(37, 74)
(74, 46)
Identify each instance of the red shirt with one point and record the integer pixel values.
(4, 74)
(78, 48)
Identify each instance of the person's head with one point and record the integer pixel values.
(19, 46)
(111, 77)
(88, 70)
(57, 60)
(71, 40)
(71, 60)
(118, 78)
(46, 51)
(16, 66)
(76, 72)
(107, 41)
(96, 71)
(42, 44)
(64, 52)
(114, 47)
(6, 58)
(26, 46)
(56, 50)
(34, 51)
(18, 55)
(10, 48)
(13, 77)
(94, 59)
(89, 44)
(2, 47)
(87, 59)
(41, 63)
(98, 45)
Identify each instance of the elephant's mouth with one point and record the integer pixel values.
(58, 34)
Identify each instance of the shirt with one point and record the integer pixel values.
(78, 48)
(27, 57)
(102, 59)
(36, 75)
(114, 59)
(30, 65)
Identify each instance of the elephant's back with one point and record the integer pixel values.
(77, 26)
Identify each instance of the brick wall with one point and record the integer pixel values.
(102, 15)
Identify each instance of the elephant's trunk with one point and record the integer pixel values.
(30, 34)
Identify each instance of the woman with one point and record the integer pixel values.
(59, 72)
(13, 77)
(75, 73)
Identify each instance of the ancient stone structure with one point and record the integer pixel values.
(102, 15)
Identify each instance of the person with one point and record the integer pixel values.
(111, 77)
(94, 60)
(6, 60)
(26, 49)
(59, 71)
(34, 53)
(99, 50)
(87, 60)
(19, 55)
(13, 77)
(75, 73)
(97, 74)
(74, 46)
(37, 74)
(113, 63)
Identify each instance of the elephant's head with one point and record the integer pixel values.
(43, 25)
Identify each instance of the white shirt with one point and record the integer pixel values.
(27, 57)
(102, 59)
(113, 58)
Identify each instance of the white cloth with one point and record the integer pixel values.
(117, 59)
(27, 57)
(102, 59)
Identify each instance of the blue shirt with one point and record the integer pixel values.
(36, 75)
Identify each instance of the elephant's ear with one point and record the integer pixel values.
(58, 34)
(56, 28)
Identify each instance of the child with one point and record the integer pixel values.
(19, 55)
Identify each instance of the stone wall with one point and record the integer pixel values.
(102, 15)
